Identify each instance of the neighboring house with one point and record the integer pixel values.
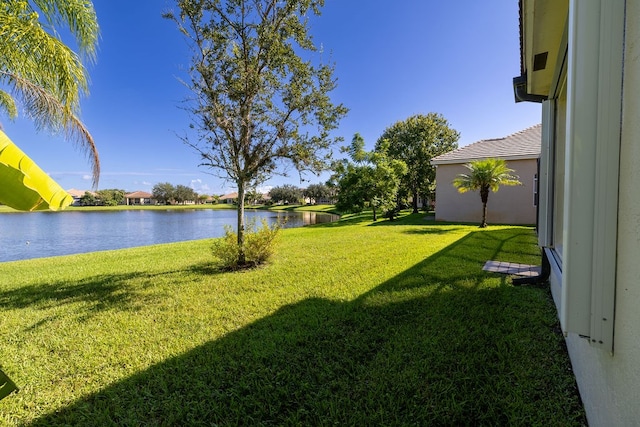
(229, 199)
(509, 205)
(319, 201)
(580, 60)
(77, 195)
(139, 198)
(325, 201)
(266, 198)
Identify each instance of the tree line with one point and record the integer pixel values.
(397, 173)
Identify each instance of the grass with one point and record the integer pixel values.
(353, 323)
(303, 208)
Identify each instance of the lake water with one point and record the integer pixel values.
(44, 234)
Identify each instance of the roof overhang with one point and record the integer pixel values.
(467, 160)
(542, 29)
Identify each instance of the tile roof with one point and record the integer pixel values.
(139, 195)
(520, 145)
(229, 196)
(78, 193)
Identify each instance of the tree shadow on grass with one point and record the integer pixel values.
(97, 293)
(405, 219)
(102, 291)
(435, 345)
(350, 219)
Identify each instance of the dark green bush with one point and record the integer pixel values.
(259, 245)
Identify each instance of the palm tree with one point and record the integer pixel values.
(41, 72)
(484, 176)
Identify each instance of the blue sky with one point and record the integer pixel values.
(393, 59)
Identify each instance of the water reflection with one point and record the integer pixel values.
(43, 234)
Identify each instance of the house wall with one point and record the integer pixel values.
(610, 383)
(510, 205)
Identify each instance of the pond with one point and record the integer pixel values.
(44, 234)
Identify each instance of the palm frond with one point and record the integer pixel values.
(43, 73)
(48, 113)
(487, 173)
(77, 15)
(28, 51)
(8, 104)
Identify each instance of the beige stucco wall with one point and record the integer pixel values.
(610, 384)
(510, 205)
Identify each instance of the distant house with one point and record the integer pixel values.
(139, 198)
(77, 195)
(229, 199)
(510, 205)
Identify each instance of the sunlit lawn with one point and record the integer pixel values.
(352, 324)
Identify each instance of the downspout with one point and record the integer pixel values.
(520, 91)
(521, 95)
(540, 279)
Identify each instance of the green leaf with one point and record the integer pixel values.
(23, 185)
(6, 385)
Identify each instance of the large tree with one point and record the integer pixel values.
(163, 192)
(416, 141)
(316, 192)
(111, 196)
(256, 102)
(182, 194)
(286, 193)
(368, 178)
(484, 176)
(40, 73)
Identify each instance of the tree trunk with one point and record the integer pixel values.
(375, 217)
(484, 196)
(484, 215)
(241, 195)
(415, 202)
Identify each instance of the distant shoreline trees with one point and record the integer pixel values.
(166, 193)
(287, 194)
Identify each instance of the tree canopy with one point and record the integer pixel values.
(182, 193)
(286, 193)
(316, 192)
(163, 192)
(484, 176)
(41, 73)
(368, 179)
(111, 196)
(256, 102)
(416, 141)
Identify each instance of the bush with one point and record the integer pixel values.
(259, 243)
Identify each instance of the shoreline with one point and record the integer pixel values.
(295, 208)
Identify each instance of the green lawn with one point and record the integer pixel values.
(353, 323)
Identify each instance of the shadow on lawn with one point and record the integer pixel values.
(100, 292)
(432, 346)
(105, 290)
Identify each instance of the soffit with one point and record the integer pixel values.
(542, 29)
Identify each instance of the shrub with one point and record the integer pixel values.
(259, 243)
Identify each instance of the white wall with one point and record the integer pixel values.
(610, 384)
(510, 205)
